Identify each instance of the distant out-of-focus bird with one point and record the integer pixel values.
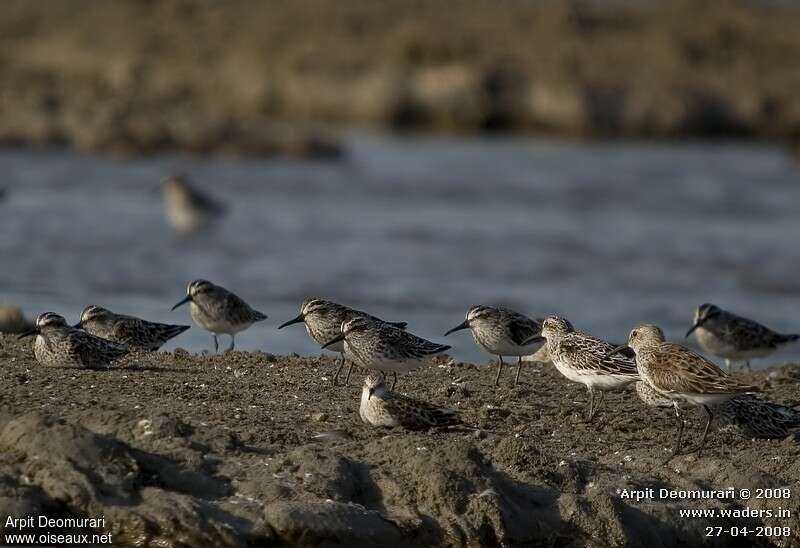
(188, 209)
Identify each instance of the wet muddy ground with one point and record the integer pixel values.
(264, 449)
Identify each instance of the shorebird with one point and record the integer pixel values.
(383, 347)
(502, 332)
(382, 407)
(188, 209)
(751, 416)
(585, 359)
(219, 311)
(58, 344)
(135, 333)
(323, 320)
(734, 338)
(677, 373)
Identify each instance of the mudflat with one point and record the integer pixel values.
(170, 451)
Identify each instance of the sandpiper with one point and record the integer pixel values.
(135, 333)
(323, 320)
(677, 373)
(58, 344)
(188, 209)
(219, 311)
(502, 332)
(734, 338)
(751, 416)
(585, 359)
(383, 347)
(380, 406)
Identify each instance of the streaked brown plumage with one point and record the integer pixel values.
(380, 346)
(323, 320)
(382, 407)
(57, 344)
(135, 333)
(585, 359)
(675, 372)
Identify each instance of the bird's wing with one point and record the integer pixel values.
(673, 368)
(205, 201)
(92, 350)
(415, 414)
(587, 352)
(240, 311)
(750, 335)
(522, 328)
(412, 346)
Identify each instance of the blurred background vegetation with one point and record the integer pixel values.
(257, 78)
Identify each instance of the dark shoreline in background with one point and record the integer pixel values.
(134, 77)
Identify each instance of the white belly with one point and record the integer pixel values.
(704, 399)
(498, 347)
(567, 371)
(395, 367)
(217, 326)
(54, 353)
(592, 380)
(372, 413)
(186, 218)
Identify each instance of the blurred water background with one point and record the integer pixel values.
(417, 228)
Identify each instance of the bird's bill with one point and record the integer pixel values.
(28, 333)
(695, 326)
(459, 327)
(78, 325)
(533, 340)
(371, 390)
(298, 319)
(617, 350)
(182, 301)
(334, 340)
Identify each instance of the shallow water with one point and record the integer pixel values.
(418, 229)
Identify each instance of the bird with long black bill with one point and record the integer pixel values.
(502, 332)
(734, 337)
(61, 345)
(382, 347)
(219, 311)
(323, 320)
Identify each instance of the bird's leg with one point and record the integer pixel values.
(519, 366)
(338, 369)
(600, 401)
(677, 447)
(394, 382)
(591, 405)
(728, 365)
(705, 431)
(230, 348)
(747, 365)
(216, 344)
(499, 370)
(349, 370)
